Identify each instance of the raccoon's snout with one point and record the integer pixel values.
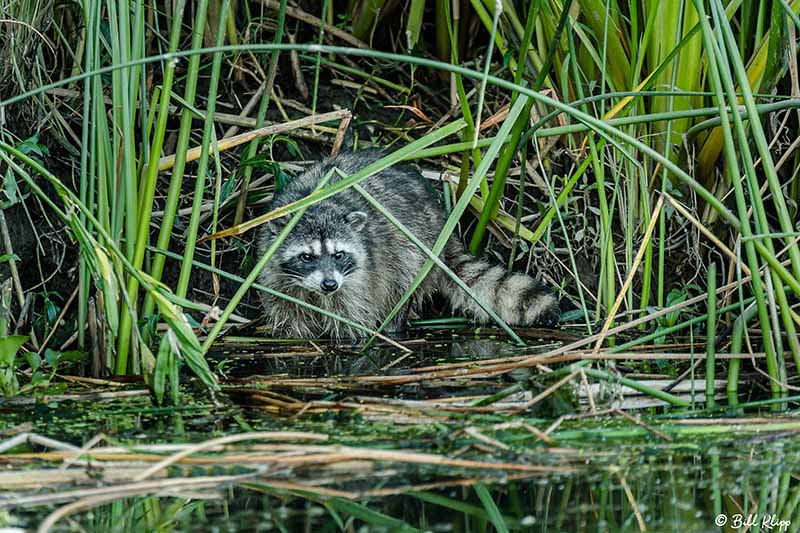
(329, 285)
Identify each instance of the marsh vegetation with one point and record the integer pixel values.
(642, 156)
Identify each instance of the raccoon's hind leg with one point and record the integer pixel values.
(518, 299)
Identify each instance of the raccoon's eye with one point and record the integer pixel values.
(306, 258)
(338, 256)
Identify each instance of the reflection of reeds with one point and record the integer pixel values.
(307, 465)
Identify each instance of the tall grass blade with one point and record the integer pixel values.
(181, 148)
(202, 167)
(459, 208)
(144, 208)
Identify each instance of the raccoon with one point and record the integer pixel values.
(345, 257)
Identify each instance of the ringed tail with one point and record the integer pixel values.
(519, 299)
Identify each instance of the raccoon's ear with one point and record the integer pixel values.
(357, 220)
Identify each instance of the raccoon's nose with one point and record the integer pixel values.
(329, 285)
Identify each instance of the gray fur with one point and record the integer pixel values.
(343, 242)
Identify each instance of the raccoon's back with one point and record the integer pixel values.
(399, 189)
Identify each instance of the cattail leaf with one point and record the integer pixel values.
(414, 23)
(108, 284)
(9, 346)
(161, 368)
(188, 346)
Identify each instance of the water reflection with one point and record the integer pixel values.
(653, 488)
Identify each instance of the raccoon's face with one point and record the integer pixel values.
(323, 254)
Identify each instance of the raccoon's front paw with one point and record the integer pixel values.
(398, 327)
(550, 318)
(548, 314)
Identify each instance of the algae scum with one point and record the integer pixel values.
(308, 438)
